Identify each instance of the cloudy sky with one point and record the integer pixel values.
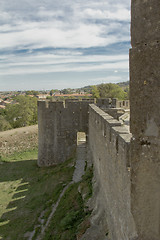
(48, 44)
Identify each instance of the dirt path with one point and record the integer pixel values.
(80, 161)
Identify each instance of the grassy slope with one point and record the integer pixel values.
(71, 218)
(26, 190)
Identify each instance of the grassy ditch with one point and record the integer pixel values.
(71, 218)
(27, 190)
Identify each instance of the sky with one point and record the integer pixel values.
(56, 44)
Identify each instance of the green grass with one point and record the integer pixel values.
(68, 216)
(25, 155)
(71, 218)
(26, 190)
(86, 183)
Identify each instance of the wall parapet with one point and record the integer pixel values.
(109, 144)
(109, 127)
(106, 103)
(58, 124)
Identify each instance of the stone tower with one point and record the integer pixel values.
(58, 124)
(145, 117)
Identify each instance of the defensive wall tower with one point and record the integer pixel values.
(126, 166)
(108, 145)
(58, 124)
(145, 117)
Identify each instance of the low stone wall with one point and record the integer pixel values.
(112, 103)
(19, 139)
(115, 112)
(109, 143)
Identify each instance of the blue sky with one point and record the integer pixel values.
(48, 44)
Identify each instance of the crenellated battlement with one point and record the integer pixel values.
(69, 103)
(106, 103)
(60, 105)
(126, 166)
(59, 123)
(108, 144)
(109, 127)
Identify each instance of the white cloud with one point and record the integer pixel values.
(44, 13)
(53, 68)
(121, 14)
(38, 35)
(107, 79)
(62, 25)
(4, 16)
(62, 58)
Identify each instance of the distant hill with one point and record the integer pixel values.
(88, 89)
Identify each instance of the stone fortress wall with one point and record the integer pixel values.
(108, 149)
(111, 149)
(127, 166)
(59, 123)
(145, 117)
(113, 152)
(109, 145)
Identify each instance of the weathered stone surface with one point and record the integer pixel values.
(110, 152)
(58, 124)
(145, 189)
(127, 173)
(98, 225)
(145, 115)
(145, 24)
(145, 91)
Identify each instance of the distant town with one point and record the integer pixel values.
(8, 97)
(19, 108)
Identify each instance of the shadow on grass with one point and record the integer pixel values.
(25, 191)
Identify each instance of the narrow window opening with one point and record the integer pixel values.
(81, 138)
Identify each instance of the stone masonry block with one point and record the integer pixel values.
(145, 22)
(145, 194)
(145, 83)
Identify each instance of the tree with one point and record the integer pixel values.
(67, 91)
(23, 113)
(127, 92)
(4, 124)
(32, 92)
(53, 91)
(95, 92)
(110, 90)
